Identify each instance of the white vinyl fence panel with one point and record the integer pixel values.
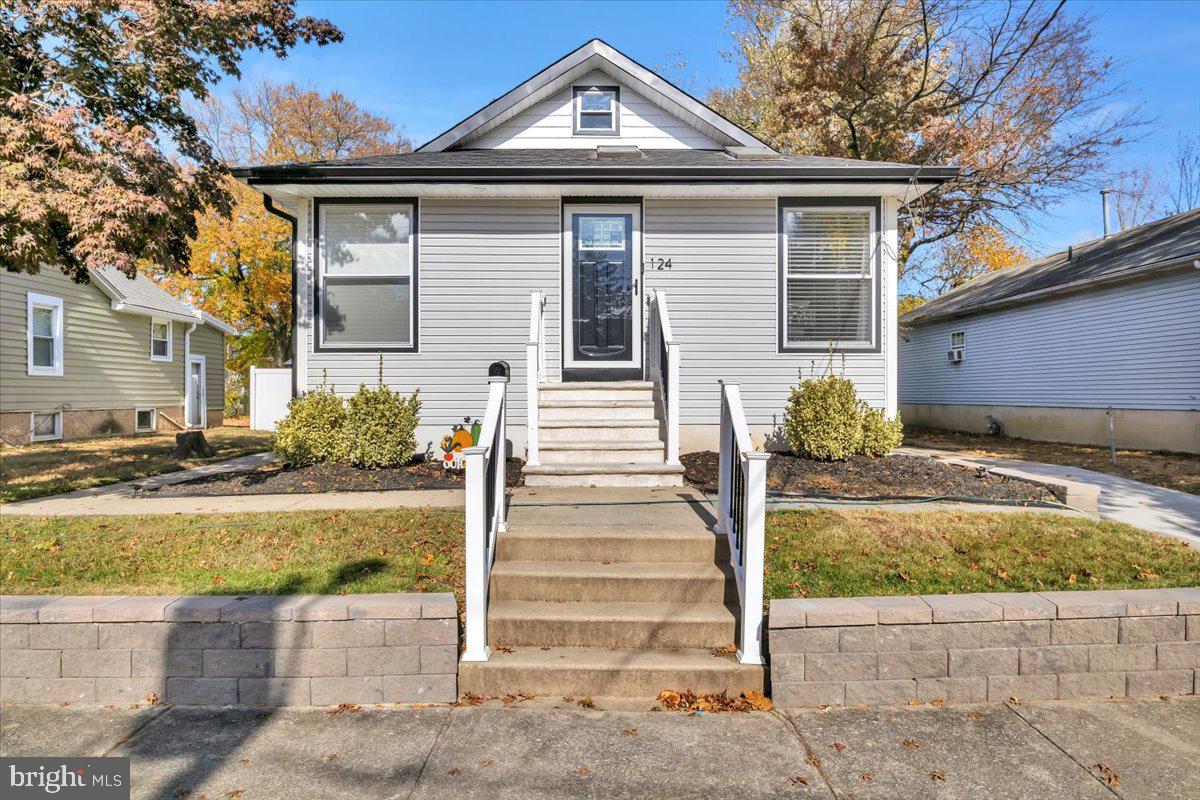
(270, 391)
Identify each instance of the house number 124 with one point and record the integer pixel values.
(659, 263)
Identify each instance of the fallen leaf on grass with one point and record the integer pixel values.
(912, 744)
(586, 702)
(937, 775)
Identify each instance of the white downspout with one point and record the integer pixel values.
(187, 366)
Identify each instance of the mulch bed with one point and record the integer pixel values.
(861, 476)
(280, 479)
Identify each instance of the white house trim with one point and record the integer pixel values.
(153, 420)
(53, 437)
(889, 270)
(593, 55)
(55, 304)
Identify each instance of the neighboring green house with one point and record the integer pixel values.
(115, 355)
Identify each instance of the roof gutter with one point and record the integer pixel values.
(576, 174)
(1041, 294)
(269, 205)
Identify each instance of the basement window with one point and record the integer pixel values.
(147, 420)
(597, 110)
(45, 427)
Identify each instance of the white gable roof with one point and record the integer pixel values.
(576, 66)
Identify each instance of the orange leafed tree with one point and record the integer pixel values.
(240, 265)
(978, 249)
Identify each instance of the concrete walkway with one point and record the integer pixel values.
(531, 750)
(1143, 505)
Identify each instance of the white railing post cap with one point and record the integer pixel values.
(757, 455)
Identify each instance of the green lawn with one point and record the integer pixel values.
(857, 553)
(37, 470)
(821, 553)
(308, 552)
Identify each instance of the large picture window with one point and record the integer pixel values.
(828, 277)
(366, 276)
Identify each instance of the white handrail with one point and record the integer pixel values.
(664, 355)
(741, 517)
(485, 515)
(535, 374)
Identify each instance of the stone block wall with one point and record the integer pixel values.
(230, 651)
(984, 647)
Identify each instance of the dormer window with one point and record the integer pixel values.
(597, 110)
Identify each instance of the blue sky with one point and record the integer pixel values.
(426, 65)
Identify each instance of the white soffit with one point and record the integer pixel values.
(595, 55)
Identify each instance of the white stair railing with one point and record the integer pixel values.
(741, 516)
(664, 364)
(535, 374)
(485, 514)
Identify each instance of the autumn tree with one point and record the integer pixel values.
(100, 164)
(240, 265)
(977, 250)
(1013, 92)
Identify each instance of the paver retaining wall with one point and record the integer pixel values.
(247, 651)
(984, 647)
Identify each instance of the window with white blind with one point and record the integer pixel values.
(366, 276)
(828, 281)
(43, 334)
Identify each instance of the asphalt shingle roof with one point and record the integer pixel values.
(1147, 247)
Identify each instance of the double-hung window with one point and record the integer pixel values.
(160, 340)
(828, 277)
(367, 276)
(597, 110)
(44, 324)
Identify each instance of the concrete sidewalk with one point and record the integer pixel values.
(1143, 505)
(531, 750)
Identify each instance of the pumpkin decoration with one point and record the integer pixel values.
(460, 436)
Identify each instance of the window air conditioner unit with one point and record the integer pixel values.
(954, 355)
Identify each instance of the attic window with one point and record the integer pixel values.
(597, 110)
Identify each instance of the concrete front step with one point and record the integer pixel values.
(594, 672)
(645, 431)
(583, 581)
(584, 452)
(622, 390)
(600, 474)
(584, 410)
(524, 623)
(617, 545)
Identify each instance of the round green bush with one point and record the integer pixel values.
(823, 419)
(880, 435)
(381, 427)
(313, 430)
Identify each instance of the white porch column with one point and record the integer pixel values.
(889, 267)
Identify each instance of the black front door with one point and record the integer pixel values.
(603, 282)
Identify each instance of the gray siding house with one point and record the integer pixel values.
(1055, 349)
(621, 245)
(114, 355)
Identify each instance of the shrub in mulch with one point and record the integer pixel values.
(864, 476)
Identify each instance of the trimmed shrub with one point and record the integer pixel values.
(313, 430)
(880, 435)
(823, 420)
(381, 427)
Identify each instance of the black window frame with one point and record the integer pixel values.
(782, 205)
(317, 275)
(577, 92)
